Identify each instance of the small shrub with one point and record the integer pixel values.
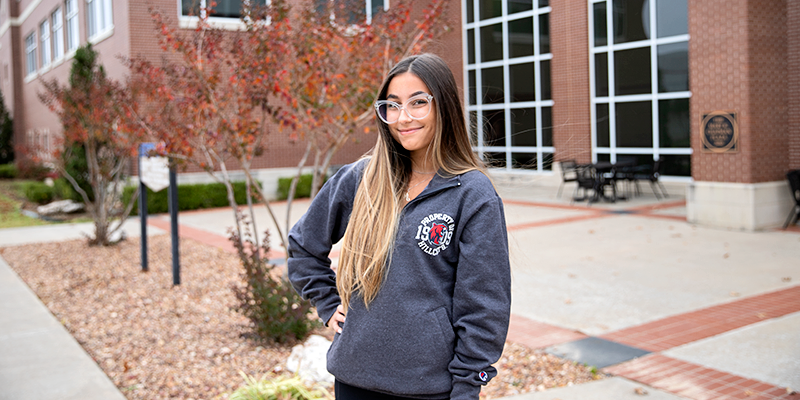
(38, 192)
(303, 187)
(277, 312)
(30, 169)
(190, 197)
(279, 388)
(8, 171)
(6, 133)
(64, 190)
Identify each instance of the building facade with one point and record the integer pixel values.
(710, 88)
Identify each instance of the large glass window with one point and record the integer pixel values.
(44, 37)
(58, 34)
(355, 11)
(99, 18)
(221, 8)
(72, 25)
(640, 82)
(507, 81)
(30, 53)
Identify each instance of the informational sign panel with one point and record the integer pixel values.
(153, 171)
(720, 132)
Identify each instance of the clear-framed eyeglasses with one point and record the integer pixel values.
(417, 107)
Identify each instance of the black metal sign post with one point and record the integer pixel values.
(173, 218)
(155, 174)
(143, 149)
(143, 220)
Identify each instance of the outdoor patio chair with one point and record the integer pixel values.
(625, 172)
(568, 174)
(794, 183)
(586, 177)
(651, 175)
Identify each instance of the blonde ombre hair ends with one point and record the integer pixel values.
(368, 241)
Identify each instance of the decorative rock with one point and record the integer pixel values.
(308, 360)
(62, 206)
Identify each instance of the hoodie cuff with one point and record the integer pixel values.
(465, 391)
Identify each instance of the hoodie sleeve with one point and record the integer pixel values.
(311, 239)
(481, 299)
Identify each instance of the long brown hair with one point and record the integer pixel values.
(369, 238)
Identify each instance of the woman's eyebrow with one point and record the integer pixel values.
(394, 96)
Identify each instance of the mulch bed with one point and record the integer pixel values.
(158, 341)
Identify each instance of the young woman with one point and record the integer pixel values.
(421, 298)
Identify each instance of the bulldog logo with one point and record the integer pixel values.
(434, 233)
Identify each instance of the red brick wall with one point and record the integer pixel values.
(569, 24)
(767, 70)
(737, 62)
(793, 79)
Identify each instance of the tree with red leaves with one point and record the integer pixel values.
(338, 68)
(95, 113)
(309, 74)
(212, 100)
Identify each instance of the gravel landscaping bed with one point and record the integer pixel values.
(159, 341)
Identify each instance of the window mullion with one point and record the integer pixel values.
(612, 112)
(478, 80)
(654, 79)
(537, 92)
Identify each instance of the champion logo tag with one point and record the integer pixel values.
(434, 233)
(484, 376)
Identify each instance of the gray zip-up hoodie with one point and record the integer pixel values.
(440, 319)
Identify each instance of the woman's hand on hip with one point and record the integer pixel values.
(337, 318)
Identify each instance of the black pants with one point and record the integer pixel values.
(346, 392)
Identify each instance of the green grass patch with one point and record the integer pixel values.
(11, 216)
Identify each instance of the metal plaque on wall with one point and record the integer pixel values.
(720, 132)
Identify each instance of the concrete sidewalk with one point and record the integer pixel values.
(675, 310)
(39, 359)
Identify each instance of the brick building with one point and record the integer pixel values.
(544, 80)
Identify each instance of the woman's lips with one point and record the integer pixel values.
(408, 131)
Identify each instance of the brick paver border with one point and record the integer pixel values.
(695, 381)
(685, 328)
(536, 335)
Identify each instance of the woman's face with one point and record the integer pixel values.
(415, 135)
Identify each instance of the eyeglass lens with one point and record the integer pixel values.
(417, 107)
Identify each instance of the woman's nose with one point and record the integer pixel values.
(404, 116)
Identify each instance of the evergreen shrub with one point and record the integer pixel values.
(190, 197)
(38, 192)
(303, 187)
(8, 171)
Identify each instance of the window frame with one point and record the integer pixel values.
(44, 43)
(543, 153)
(72, 23)
(31, 49)
(353, 28)
(57, 33)
(190, 21)
(99, 20)
(612, 99)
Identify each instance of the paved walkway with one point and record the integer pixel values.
(667, 308)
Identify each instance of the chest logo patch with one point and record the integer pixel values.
(434, 233)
